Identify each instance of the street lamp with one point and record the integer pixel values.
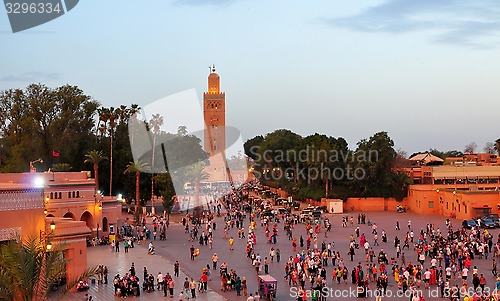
(32, 168)
(46, 236)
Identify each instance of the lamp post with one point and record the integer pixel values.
(32, 168)
(46, 236)
(98, 198)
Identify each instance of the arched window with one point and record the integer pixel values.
(78, 194)
(60, 195)
(51, 195)
(69, 194)
(104, 224)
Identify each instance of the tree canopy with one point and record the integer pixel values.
(54, 125)
(318, 165)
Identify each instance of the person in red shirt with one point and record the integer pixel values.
(482, 282)
(204, 280)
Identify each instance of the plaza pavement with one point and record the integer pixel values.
(120, 262)
(177, 248)
(177, 245)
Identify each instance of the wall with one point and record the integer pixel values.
(113, 212)
(21, 211)
(372, 204)
(30, 222)
(72, 236)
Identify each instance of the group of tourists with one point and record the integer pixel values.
(410, 261)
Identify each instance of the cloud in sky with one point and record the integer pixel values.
(457, 22)
(32, 76)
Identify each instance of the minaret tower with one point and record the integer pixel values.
(214, 113)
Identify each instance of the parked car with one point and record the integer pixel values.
(487, 224)
(323, 209)
(279, 201)
(282, 210)
(316, 213)
(469, 224)
(494, 218)
(291, 205)
(306, 214)
(268, 213)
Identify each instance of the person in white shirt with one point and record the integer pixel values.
(448, 273)
(159, 279)
(465, 271)
(433, 262)
(427, 278)
(256, 297)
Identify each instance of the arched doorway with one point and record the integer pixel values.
(69, 215)
(88, 219)
(105, 224)
(49, 215)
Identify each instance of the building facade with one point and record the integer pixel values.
(462, 191)
(31, 202)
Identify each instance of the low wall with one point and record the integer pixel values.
(372, 204)
(282, 193)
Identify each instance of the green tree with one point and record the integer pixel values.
(95, 157)
(39, 120)
(441, 154)
(252, 146)
(375, 157)
(27, 270)
(61, 167)
(136, 167)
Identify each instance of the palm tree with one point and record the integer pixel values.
(137, 167)
(196, 174)
(94, 157)
(103, 117)
(113, 115)
(155, 123)
(133, 112)
(124, 113)
(28, 270)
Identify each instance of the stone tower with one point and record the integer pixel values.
(214, 113)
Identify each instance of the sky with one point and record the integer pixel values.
(425, 71)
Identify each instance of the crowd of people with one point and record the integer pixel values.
(411, 261)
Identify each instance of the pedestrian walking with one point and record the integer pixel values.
(176, 268)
